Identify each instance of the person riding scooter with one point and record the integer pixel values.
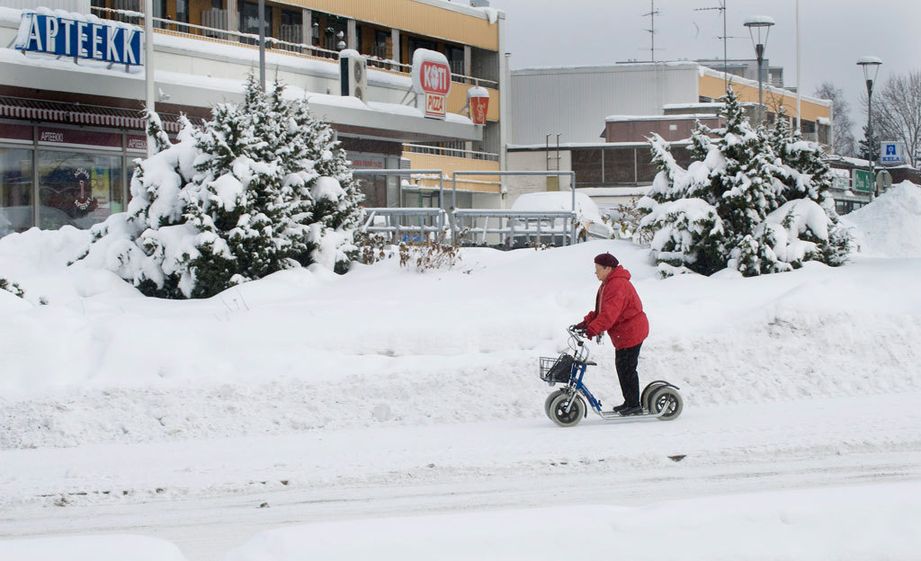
(619, 311)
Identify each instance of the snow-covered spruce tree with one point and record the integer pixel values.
(259, 188)
(752, 200)
(680, 224)
(807, 177)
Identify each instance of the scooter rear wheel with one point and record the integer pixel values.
(666, 399)
(647, 393)
(559, 413)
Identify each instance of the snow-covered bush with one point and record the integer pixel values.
(259, 188)
(752, 199)
(12, 288)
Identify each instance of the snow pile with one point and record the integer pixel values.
(890, 226)
(102, 363)
(872, 523)
(90, 548)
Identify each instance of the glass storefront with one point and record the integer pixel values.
(78, 188)
(64, 176)
(16, 211)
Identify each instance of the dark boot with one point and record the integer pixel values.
(631, 410)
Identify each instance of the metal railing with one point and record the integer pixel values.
(406, 224)
(511, 229)
(279, 45)
(447, 151)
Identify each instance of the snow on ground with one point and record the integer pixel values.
(101, 363)
(856, 523)
(200, 422)
(90, 548)
(891, 226)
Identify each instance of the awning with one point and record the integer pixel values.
(80, 114)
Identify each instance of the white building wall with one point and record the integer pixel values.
(80, 6)
(575, 101)
(533, 161)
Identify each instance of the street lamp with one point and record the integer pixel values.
(870, 65)
(759, 27)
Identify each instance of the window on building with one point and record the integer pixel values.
(586, 162)
(417, 43)
(249, 18)
(78, 188)
(456, 59)
(334, 31)
(291, 26)
(16, 209)
(182, 11)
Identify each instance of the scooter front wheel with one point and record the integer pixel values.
(550, 399)
(565, 415)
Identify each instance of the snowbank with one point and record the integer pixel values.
(100, 363)
(890, 226)
(90, 548)
(873, 523)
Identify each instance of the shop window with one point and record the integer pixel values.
(78, 188)
(16, 210)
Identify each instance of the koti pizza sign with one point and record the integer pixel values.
(432, 79)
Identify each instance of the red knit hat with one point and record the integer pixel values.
(607, 260)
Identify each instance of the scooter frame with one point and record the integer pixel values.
(581, 362)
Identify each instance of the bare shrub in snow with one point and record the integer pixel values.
(430, 255)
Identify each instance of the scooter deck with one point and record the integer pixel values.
(612, 417)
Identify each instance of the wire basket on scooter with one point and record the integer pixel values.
(556, 370)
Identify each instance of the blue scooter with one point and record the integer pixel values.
(566, 406)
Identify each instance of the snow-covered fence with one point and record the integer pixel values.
(513, 228)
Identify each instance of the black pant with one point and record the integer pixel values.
(625, 361)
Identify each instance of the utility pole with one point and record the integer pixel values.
(149, 77)
(652, 28)
(262, 44)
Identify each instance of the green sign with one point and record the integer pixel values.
(864, 181)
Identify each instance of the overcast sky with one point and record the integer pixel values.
(834, 34)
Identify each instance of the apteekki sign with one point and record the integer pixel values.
(91, 39)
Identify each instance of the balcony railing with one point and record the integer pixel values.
(288, 42)
(455, 152)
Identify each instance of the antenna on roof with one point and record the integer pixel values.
(725, 37)
(653, 12)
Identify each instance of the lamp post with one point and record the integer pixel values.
(870, 66)
(759, 27)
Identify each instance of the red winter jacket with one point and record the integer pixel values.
(619, 311)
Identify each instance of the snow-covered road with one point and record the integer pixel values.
(209, 496)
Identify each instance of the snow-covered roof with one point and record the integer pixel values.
(615, 191)
(706, 105)
(676, 117)
(617, 67)
(569, 145)
(707, 71)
